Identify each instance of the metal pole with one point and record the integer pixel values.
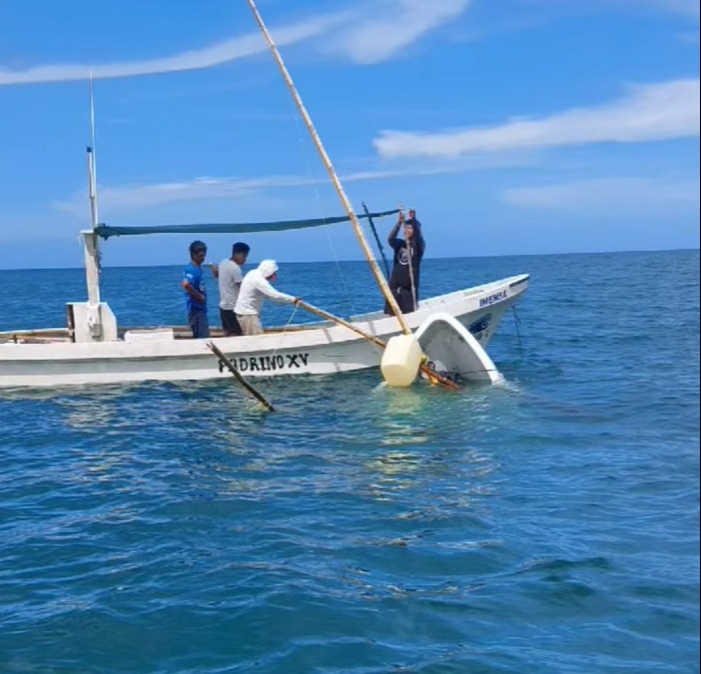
(90, 239)
(92, 166)
(377, 239)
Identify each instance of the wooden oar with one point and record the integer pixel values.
(234, 370)
(428, 371)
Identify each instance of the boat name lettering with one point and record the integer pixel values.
(496, 297)
(270, 363)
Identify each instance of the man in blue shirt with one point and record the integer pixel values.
(195, 293)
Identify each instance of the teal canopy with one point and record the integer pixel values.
(106, 231)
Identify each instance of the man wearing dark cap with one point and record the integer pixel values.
(195, 293)
(230, 277)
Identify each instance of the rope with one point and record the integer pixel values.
(284, 330)
(409, 250)
(300, 136)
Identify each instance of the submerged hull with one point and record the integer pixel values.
(316, 349)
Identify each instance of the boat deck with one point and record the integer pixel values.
(63, 335)
(182, 332)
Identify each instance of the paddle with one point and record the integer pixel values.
(433, 376)
(232, 368)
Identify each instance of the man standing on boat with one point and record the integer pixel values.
(230, 277)
(408, 253)
(254, 289)
(195, 293)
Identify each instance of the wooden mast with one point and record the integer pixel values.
(334, 177)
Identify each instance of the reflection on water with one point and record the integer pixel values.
(515, 528)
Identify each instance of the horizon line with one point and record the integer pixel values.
(452, 257)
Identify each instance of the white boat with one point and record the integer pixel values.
(68, 356)
(452, 329)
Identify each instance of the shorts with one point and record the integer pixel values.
(250, 324)
(229, 322)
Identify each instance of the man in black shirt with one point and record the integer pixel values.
(408, 252)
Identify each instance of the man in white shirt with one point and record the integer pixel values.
(230, 278)
(254, 289)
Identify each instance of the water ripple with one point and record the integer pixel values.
(548, 525)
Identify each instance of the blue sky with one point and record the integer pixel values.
(513, 127)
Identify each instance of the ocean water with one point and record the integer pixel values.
(546, 526)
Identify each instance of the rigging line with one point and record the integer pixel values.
(284, 330)
(517, 321)
(410, 252)
(327, 230)
(377, 241)
(379, 278)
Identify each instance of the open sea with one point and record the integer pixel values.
(549, 525)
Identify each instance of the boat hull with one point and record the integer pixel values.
(317, 349)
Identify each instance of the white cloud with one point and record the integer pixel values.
(688, 8)
(137, 197)
(615, 197)
(650, 112)
(389, 26)
(134, 197)
(195, 59)
(683, 8)
(372, 32)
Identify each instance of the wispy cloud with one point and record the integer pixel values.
(135, 197)
(194, 59)
(689, 37)
(615, 197)
(683, 8)
(688, 8)
(370, 32)
(650, 112)
(389, 26)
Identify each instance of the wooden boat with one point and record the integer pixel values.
(452, 329)
(60, 357)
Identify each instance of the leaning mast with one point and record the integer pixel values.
(332, 173)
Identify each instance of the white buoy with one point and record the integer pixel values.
(401, 361)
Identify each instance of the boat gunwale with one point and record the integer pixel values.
(313, 334)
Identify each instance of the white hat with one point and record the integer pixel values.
(267, 268)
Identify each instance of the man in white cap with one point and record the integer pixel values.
(254, 289)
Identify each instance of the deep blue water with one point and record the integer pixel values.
(549, 526)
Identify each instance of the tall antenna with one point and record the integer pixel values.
(92, 170)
